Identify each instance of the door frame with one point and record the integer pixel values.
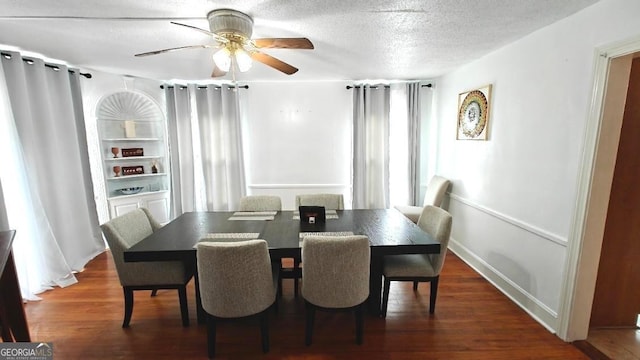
(584, 246)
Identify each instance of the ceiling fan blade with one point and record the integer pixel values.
(283, 43)
(215, 36)
(193, 27)
(217, 72)
(174, 49)
(273, 62)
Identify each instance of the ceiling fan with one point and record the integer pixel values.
(232, 29)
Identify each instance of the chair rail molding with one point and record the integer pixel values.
(557, 239)
(298, 186)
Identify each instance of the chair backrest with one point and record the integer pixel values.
(436, 189)
(329, 201)
(336, 270)
(437, 223)
(123, 232)
(235, 277)
(260, 203)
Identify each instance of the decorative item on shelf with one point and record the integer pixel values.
(132, 152)
(116, 171)
(130, 191)
(129, 129)
(115, 151)
(154, 167)
(155, 186)
(132, 170)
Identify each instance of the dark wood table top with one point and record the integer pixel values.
(388, 230)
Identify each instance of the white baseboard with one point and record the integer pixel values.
(540, 312)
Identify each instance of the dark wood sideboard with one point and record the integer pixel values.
(13, 322)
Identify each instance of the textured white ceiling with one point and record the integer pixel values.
(354, 39)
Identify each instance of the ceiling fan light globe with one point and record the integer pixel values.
(243, 60)
(222, 58)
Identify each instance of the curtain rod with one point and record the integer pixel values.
(182, 87)
(371, 86)
(385, 86)
(51, 66)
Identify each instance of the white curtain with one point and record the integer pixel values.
(414, 119)
(370, 147)
(180, 150)
(48, 192)
(205, 130)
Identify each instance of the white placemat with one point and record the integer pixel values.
(255, 218)
(329, 214)
(253, 215)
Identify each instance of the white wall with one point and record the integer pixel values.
(102, 84)
(513, 196)
(298, 139)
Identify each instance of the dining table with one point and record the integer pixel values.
(389, 233)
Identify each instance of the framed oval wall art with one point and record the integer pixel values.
(473, 114)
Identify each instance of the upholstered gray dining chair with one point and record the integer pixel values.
(329, 201)
(237, 279)
(260, 203)
(436, 189)
(125, 231)
(336, 277)
(420, 267)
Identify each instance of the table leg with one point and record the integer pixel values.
(375, 285)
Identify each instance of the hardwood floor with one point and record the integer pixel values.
(619, 344)
(473, 320)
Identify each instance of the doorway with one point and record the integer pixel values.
(616, 301)
(611, 80)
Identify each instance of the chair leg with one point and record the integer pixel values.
(432, 294)
(311, 314)
(264, 330)
(415, 286)
(385, 297)
(154, 292)
(296, 270)
(128, 306)
(359, 323)
(184, 308)
(211, 336)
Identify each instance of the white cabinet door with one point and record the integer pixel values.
(122, 206)
(156, 202)
(158, 205)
